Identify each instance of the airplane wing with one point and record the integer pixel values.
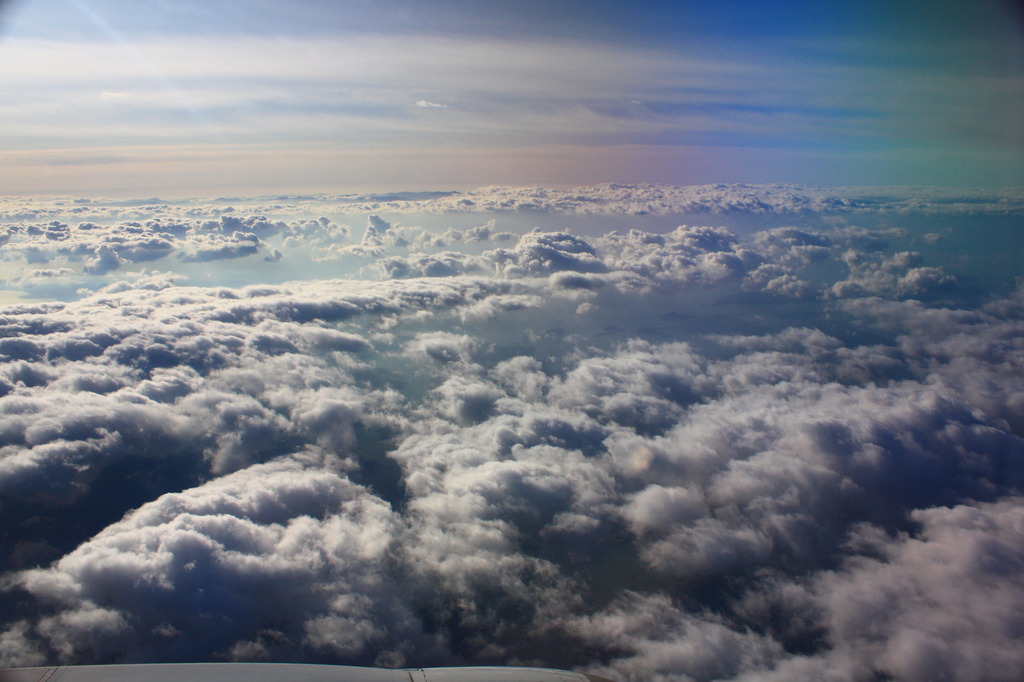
(283, 672)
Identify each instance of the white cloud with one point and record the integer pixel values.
(721, 199)
(290, 544)
(943, 603)
(658, 640)
(691, 478)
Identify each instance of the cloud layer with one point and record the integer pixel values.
(793, 452)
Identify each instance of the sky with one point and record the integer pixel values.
(205, 98)
(661, 341)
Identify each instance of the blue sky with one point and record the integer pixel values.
(213, 97)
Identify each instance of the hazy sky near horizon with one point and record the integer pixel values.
(216, 96)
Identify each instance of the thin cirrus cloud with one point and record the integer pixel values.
(378, 69)
(862, 95)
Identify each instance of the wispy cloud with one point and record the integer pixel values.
(849, 91)
(525, 92)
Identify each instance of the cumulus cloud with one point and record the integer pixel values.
(218, 247)
(103, 247)
(244, 550)
(899, 275)
(787, 201)
(700, 452)
(720, 199)
(657, 640)
(945, 602)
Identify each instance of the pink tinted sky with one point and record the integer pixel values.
(204, 98)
